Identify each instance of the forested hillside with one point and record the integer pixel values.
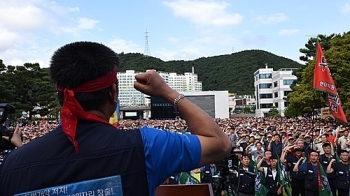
(233, 72)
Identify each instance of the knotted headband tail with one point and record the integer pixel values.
(72, 110)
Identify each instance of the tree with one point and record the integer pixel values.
(27, 87)
(273, 112)
(310, 52)
(304, 98)
(291, 111)
(247, 110)
(310, 47)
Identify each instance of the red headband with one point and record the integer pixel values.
(72, 110)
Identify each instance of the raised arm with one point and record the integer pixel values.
(283, 155)
(248, 148)
(215, 144)
(16, 137)
(329, 167)
(296, 166)
(259, 164)
(269, 146)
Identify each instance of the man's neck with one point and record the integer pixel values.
(345, 162)
(328, 155)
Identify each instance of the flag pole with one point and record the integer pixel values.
(314, 100)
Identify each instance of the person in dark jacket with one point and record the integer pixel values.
(271, 176)
(276, 146)
(246, 180)
(342, 171)
(310, 169)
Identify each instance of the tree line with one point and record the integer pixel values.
(28, 87)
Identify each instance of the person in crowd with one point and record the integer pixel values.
(331, 137)
(258, 151)
(266, 162)
(318, 147)
(271, 175)
(243, 142)
(310, 169)
(16, 139)
(246, 180)
(308, 143)
(325, 159)
(88, 150)
(207, 173)
(233, 137)
(289, 142)
(297, 177)
(343, 139)
(341, 169)
(276, 146)
(267, 141)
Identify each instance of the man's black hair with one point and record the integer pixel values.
(343, 151)
(79, 62)
(327, 144)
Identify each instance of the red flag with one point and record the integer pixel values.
(323, 80)
(335, 106)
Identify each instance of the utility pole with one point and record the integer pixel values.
(146, 51)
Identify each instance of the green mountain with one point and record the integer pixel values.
(232, 72)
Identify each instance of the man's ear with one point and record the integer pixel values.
(113, 94)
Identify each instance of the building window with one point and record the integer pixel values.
(286, 104)
(275, 84)
(276, 94)
(265, 96)
(288, 82)
(265, 76)
(266, 105)
(285, 93)
(276, 104)
(265, 85)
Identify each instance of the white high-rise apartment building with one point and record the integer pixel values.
(130, 96)
(271, 89)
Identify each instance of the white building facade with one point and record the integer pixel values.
(129, 96)
(271, 89)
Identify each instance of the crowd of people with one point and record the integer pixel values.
(239, 129)
(260, 139)
(255, 137)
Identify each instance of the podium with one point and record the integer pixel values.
(183, 189)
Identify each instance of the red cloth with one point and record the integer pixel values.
(72, 110)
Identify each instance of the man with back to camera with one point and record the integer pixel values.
(87, 150)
